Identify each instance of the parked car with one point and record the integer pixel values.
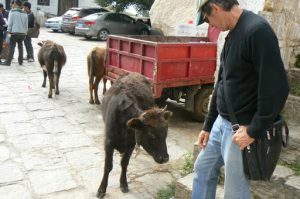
(73, 14)
(54, 24)
(99, 25)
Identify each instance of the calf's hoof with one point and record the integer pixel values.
(97, 102)
(43, 85)
(124, 189)
(100, 195)
(49, 96)
(57, 92)
(91, 101)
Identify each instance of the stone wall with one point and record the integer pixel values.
(284, 17)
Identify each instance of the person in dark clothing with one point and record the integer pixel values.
(2, 28)
(257, 88)
(17, 29)
(27, 41)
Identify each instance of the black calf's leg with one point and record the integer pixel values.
(45, 77)
(107, 168)
(51, 82)
(57, 82)
(124, 163)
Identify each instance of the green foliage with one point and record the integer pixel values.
(294, 166)
(295, 89)
(166, 193)
(297, 63)
(188, 164)
(120, 5)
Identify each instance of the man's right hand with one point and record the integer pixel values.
(203, 139)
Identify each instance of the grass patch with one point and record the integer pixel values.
(297, 63)
(166, 193)
(294, 166)
(295, 90)
(188, 164)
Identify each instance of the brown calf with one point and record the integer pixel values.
(51, 57)
(96, 70)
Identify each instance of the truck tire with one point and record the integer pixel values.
(201, 100)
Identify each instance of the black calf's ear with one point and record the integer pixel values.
(40, 44)
(167, 114)
(135, 123)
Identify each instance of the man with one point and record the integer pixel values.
(17, 28)
(2, 27)
(27, 41)
(256, 87)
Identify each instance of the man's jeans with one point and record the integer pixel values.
(29, 48)
(220, 150)
(14, 39)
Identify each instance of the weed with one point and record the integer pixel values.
(294, 166)
(188, 164)
(297, 63)
(295, 90)
(166, 193)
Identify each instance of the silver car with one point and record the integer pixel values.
(54, 24)
(99, 25)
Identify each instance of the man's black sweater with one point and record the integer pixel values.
(255, 76)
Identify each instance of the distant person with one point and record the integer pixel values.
(17, 28)
(27, 41)
(2, 27)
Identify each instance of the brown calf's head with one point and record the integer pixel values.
(151, 129)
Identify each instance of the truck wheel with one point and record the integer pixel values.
(201, 103)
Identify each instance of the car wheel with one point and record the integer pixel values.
(55, 30)
(102, 35)
(144, 32)
(87, 37)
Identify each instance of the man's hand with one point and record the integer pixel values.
(203, 139)
(242, 138)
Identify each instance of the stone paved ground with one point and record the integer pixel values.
(53, 148)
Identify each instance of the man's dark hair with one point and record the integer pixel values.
(18, 2)
(27, 4)
(225, 4)
(1, 5)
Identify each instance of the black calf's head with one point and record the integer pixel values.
(151, 132)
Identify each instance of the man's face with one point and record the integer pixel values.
(26, 9)
(216, 18)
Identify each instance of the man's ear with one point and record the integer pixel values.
(215, 7)
(167, 115)
(135, 123)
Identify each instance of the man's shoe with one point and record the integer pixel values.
(5, 63)
(30, 60)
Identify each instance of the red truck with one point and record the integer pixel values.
(179, 68)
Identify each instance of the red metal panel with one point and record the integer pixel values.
(202, 68)
(171, 70)
(124, 46)
(113, 43)
(149, 51)
(172, 51)
(207, 51)
(165, 61)
(136, 48)
(112, 58)
(148, 69)
(130, 63)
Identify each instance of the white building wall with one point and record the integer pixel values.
(87, 3)
(53, 7)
